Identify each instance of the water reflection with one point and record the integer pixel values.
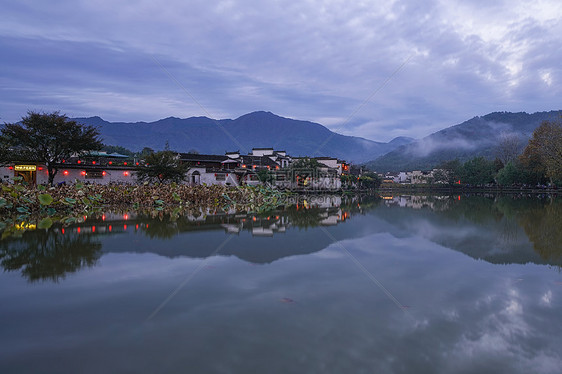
(49, 254)
(306, 308)
(497, 229)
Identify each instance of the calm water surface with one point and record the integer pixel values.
(402, 285)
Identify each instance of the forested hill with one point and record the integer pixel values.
(478, 136)
(257, 129)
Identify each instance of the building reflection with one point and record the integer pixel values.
(52, 254)
(497, 229)
(435, 202)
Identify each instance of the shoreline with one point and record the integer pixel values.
(470, 189)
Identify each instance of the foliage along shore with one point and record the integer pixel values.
(23, 207)
(462, 188)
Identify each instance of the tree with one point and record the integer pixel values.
(117, 149)
(265, 176)
(370, 181)
(305, 168)
(448, 172)
(47, 138)
(509, 147)
(543, 154)
(163, 166)
(510, 174)
(478, 171)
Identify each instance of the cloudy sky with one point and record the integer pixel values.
(376, 69)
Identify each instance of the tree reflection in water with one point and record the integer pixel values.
(543, 225)
(49, 254)
(510, 230)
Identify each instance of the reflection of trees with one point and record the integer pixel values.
(478, 209)
(360, 203)
(543, 227)
(162, 229)
(49, 255)
(304, 218)
(540, 219)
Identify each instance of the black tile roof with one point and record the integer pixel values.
(202, 158)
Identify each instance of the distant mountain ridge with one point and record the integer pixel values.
(257, 129)
(478, 136)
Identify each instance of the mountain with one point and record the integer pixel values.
(478, 136)
(257, 129)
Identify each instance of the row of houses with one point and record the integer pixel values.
(416, 177)
(232, 168)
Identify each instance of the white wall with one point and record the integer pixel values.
(211, 178)
(331, 163)
(262, 152)
(42, 176)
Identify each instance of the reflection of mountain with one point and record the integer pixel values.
(49, 255)
(499, 230)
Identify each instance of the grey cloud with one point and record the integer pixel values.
(300, 59)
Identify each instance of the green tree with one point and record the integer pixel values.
(543, 154)
(47, 138)
(117, 149)
(146, 151)
(305, 168)
(511, 173)
(163, 166)
(369, 180)
(478, 171)
(265, 176)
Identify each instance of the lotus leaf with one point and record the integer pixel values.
(45, 199)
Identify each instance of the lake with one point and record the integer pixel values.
(408, 284)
